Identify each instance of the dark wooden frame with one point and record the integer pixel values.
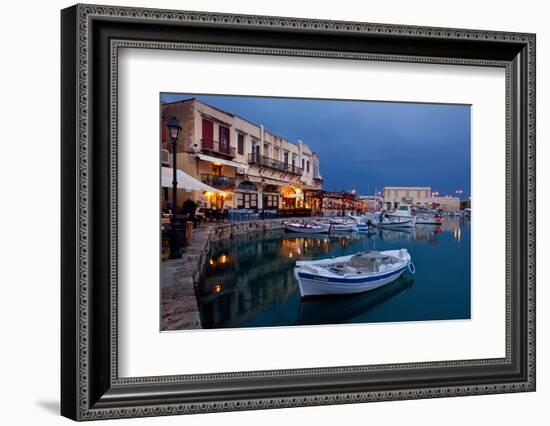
(91, 388)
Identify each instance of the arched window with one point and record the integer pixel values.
(247, 195)
(246, 186)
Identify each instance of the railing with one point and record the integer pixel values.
(262, 160)
(220, 182)
(214, 147)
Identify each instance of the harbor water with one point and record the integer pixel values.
(249, 282)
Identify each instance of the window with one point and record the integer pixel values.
(224, 139)
(285, 157)
(271, 201)
(207, 134)
(266, 149)
(307, 166)
(240, 144)
(303, 163)
(246, 200)
(276, 153)
(255, 147)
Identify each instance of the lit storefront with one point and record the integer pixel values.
(270, 197)
(337, 202)
(313, 199)
(292, 198)
(246, 196)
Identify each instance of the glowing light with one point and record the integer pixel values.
(212, 262)
(218, 287)
(223, 258)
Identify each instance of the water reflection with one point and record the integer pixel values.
(249, 282)
(345, 308)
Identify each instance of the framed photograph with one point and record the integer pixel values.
(263, 212)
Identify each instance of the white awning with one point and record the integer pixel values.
(222, 161)
(189, 183)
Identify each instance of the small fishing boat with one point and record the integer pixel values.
(430, 220)
(351, 274)
(364, 227)
(397, 222)
(336, 225)
(402, 217)
(307, 228)
(364, 222)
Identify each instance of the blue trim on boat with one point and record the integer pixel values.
(349, 280)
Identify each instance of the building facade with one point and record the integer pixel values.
(418, 196)
(414, 195)
(255, 168)
(446, 203)
(371, 203)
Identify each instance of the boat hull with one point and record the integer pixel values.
(313, 282)
(335, 226)
(400, 223)
(311, 285)
(304, 230)
(429, 222)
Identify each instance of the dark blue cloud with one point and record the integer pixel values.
(368, 145)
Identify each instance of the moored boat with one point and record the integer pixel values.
(364, 222)
(336, 225)
(351, 274)
(397, 222)
(307, 228)
(429, 220)
(402, 217)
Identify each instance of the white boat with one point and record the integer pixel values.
(363, 222)
(429, 220)
(351, 274)
(363, 227)
(365, 219)
(402, 217)
(397, 222)
(307, 228)
(336, 225)
(355, 218)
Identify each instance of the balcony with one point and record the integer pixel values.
(215, 148)
(262, 160)
(220, 182)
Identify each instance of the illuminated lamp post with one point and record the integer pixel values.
(174, 129)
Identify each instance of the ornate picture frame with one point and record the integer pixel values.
(91, 38)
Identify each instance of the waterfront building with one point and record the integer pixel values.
(371, 202)
(336, 203)
(414, 195)
(446, 203)
(418, 196)
(252, 167)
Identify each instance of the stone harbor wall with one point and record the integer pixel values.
(180, 277)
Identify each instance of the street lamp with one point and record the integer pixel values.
(174, 129)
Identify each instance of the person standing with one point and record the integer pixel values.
(189, 208)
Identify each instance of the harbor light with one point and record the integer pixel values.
(174, 129)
